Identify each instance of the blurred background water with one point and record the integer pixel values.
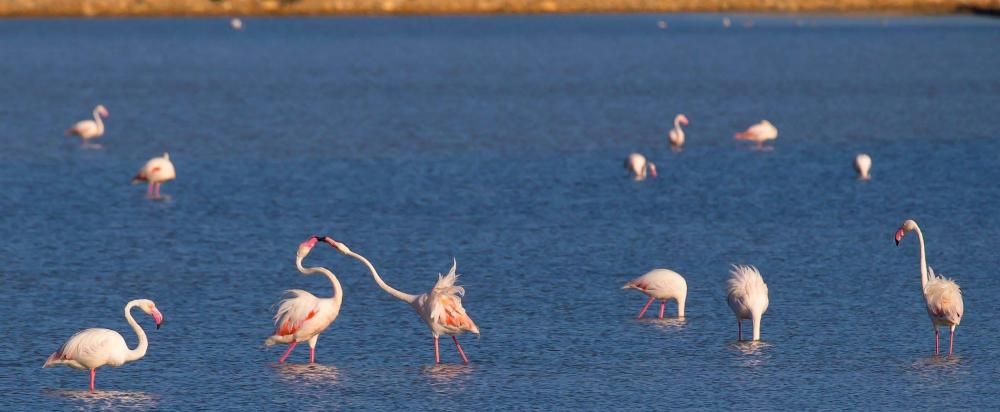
(500, 141)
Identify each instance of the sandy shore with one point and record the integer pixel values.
(59, 8)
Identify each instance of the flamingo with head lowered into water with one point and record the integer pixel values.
(639, 167)
(441, 308)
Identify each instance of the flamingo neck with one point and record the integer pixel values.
(677, 125)
(100, 123)
(338, 293)
(923, 260)
(405, 297)
(140, 350)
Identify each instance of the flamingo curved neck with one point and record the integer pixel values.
(140, 350)
(338, 294)
(405, 297)
(923, 260)
(677, 124)
(100, 123)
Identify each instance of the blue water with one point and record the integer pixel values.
(499, 141)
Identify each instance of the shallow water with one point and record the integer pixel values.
(499, 141)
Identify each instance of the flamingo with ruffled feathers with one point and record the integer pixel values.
(747, 297)
(942, 296)
(96, 347)
(301, 316)
(90, 129)
(676, 135)
(441, 308)
(862, 164)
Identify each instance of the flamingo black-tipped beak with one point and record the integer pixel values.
(899, 236)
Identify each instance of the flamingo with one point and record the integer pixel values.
(302, 316)
(156, 171)
(236, 23)
(943, 296)
(862, 164)
(676, 134)
(89, 129)
(760, 133)
(96, 347)
(639, 167)
(663, 284)
(441, 308)
(747, 297)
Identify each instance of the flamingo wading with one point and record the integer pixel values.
(301, 316)
(747, 297)
(676, 135)
(96, 347)
(441, 308)
(639, 167)
(662, 284)
(156, 171)
(759, 133)
(90, 129)
(943, 296)
(862, 164)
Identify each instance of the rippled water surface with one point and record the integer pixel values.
(499, 141)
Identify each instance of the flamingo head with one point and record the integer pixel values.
(682, 119)
(905, 227)
(101, 110)
(342, 248)
(652, 169)
(150, 308)
(306, 247)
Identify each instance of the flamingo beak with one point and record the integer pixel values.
(899, 236)
(157, 317)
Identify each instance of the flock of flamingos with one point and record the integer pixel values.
(301, 316)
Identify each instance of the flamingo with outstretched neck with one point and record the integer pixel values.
(676, 135)
(441, 308)
(96, 347)
(301, 316)
(942, 296)
(90, 129)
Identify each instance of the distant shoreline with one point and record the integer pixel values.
(218, 8)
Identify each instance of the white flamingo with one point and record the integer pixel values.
(441, 308)
(639, 167)
(759, 133)
(96, 347)
(302, 316)
(662, 284)
(747, 297)
(676, 135)
(236, 23)
(943, 296)
(90, 129)
(862, 164)
(156, 171)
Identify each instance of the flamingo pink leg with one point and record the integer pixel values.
(437, 352)
(312, 355)
(936, 343)
(951, 342)
(288, 352)
(739, 329)
(460, 351)
(643, 311)
(157, 190)
(663, 306)
(93, 372)
(149, 189)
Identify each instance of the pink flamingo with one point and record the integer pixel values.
(156, 171)
(89, 129)
(96, 347)
(760, 133)
(943, 296)
(302, 316)
(441, 308)
(676, 135)
(663, 284)
(639, 167)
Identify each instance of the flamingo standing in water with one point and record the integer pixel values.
(441, 308)
(89, 129)
(236, 23)
(302, 316)
(639, 167)
(760, 133)
(96, 347)
(663, 284)
(156, 171)
(943, 296)
(862, 164)
(676, 135)
(747, 297)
